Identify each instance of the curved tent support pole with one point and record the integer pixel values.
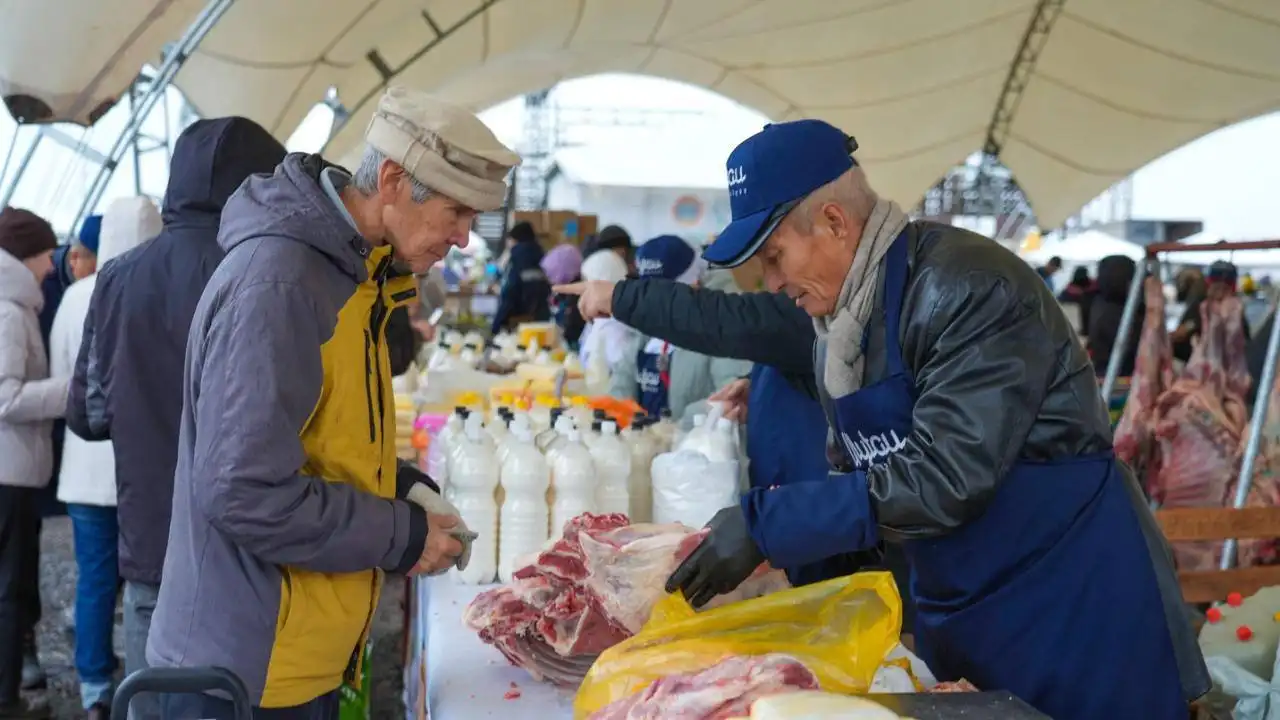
(1260, 406)
(22, 166)
(173, 62)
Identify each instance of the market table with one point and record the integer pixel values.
(465, 678)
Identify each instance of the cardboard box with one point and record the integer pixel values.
(554, 227)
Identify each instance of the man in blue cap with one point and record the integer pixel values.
(654, 372)
(972, 435)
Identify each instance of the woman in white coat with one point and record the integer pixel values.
(605, 341)
(29, 403)
(87, 479)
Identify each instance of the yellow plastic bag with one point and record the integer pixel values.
(840, 629)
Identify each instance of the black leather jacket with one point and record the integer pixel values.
(1000, 377)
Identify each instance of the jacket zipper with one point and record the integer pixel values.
(368, 393)
(372, 366)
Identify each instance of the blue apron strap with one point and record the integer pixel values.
(895, 287)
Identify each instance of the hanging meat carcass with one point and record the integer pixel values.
(1200, 421)
(1135, 440)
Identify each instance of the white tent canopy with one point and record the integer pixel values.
(1117, 84)
(1084, 249)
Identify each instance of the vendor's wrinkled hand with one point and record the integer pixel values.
(595, 297)
(441, 549)
(722, 561)
(734, 399)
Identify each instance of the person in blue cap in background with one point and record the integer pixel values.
(525, 295)
(653, 371)
(971, 433)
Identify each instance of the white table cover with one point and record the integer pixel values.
(468, 680)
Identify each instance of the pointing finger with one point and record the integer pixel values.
(576, 288)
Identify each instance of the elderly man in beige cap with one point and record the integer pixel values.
(289, 506)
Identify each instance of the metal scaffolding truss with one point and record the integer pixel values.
(1015, 83)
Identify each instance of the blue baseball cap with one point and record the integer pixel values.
(769, 174)
(90, 229)
(665, 256)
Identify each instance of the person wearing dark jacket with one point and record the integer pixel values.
(1193, 287)
(1080, 292)
(127, 386)
(525, 295)
(1115, 275)
(973, 435)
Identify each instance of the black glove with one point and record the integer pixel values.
(407, 475)
(722, 561)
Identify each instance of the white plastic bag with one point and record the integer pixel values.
(688, 488)
(1257, 699)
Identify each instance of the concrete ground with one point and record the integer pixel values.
(57, 586)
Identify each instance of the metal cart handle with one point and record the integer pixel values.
(183, 681)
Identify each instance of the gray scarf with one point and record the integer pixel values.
(843, 329)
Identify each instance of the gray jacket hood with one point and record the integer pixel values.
(291, 203)
(18, 285)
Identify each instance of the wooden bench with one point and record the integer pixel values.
(1219, 524)
(1206, 586)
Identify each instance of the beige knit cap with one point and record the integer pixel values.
(445, 147)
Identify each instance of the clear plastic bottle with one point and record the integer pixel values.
(456, 442)
(525, 514)
(518, 421)
(474, 478)
(545, 438)
(643, 447)
(663, 431)
(573, 476)
(612, 459)
(441, 446)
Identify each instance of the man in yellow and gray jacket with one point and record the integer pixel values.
(286, 512)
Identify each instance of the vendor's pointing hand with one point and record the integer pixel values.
(734, 398)
(595, 297)
(722, 561)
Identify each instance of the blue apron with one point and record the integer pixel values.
(1050, 594)
(653, 380)
(786, 443)
(786, 431)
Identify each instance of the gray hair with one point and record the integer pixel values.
(365, 179)
(850, 191)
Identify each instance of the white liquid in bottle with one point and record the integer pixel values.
(574, 477)
(474, 477)
(612, 459)
(643, 449)
(524, 515)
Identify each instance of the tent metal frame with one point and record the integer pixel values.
(1260, 406)
(142, 105)
(1015, 84)
(23, 164)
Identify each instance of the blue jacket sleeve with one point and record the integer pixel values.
(508, 297)
(836, 512)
